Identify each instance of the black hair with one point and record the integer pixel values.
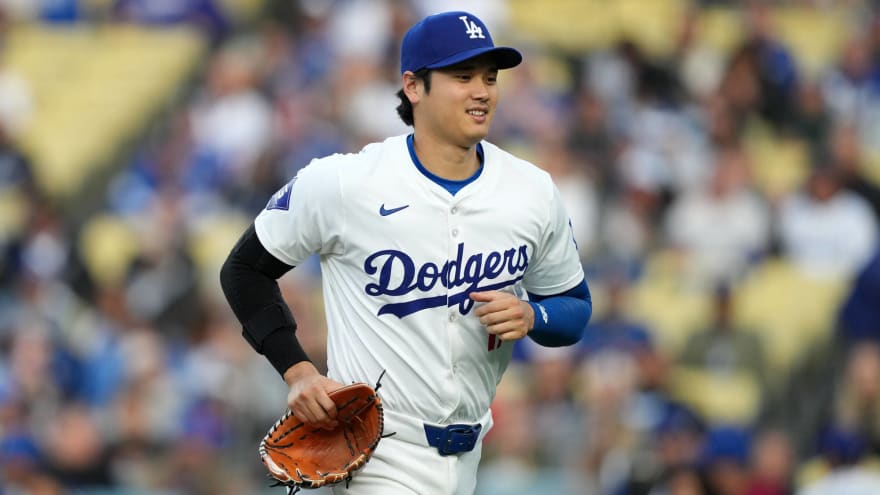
(405, 109)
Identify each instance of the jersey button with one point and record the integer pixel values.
(454, 232)
(454, 210)
(451, 317)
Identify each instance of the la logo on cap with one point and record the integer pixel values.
(472, 28)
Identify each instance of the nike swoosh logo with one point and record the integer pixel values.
(385, 213)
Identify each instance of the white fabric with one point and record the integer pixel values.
(506, 230)
(851, 481)
(828, 239)
(719, 233)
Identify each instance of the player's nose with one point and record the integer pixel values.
(480, 90)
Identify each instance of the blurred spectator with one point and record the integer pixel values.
(814, 120)
(75, 449)
(721, 370)
(16, 95)
(860, 312)
(725, 348)
(724, 460)
(665, 152)
(628, 230)
(699, 65)
(537, 114)
(555, 411)
(681, 480)
(21, 460)
(771, 464)
(206, 15)
(510, 466)
(578, 192)
(614, 330)
(368, 99)
(852, 88)
(591, 142)
(231, 123)
(160, 284)
(826, 231)
(842, 453)
(847, 157)
(761, 76)
(668, 461)
(721, 229)
(856, 406)
(610, 381)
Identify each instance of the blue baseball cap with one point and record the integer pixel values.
(441, 40)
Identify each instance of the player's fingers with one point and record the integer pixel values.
(495, 301)
(483, 296)
(318, 416)
(509, 331)
(503, 312)
(503, 326)
(327, 405)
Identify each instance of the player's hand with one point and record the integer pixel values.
(308, 397)
(504, 314)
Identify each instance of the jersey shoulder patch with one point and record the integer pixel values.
(281, 199)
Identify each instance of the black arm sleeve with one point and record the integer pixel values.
(248, 278)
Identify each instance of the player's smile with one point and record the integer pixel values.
(479, 115)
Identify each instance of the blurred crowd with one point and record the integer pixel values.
(122, 370)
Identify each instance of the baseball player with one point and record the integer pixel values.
(438, 250)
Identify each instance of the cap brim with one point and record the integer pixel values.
(505, 56)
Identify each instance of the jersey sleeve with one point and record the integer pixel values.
(556, 266)
(305, 216)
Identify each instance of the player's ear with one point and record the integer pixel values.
(412, 86)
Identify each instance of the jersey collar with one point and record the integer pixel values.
(453, 186)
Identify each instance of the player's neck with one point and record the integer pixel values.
(444, 159)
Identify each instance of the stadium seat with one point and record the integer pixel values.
(790, 310)
(815, 36)
(209, 243)
(108, 245)
(779, 165)
(720, 398)
(670, 306)
(721, 29)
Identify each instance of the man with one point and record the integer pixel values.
(428, 245)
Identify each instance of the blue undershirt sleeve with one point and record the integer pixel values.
(560, 319)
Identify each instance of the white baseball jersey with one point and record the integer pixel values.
(399, 256)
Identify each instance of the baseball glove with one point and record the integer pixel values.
(300, 456)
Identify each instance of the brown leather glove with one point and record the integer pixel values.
(301, 456)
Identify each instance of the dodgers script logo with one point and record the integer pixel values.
(470, 274)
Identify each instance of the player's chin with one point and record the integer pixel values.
(476, 133)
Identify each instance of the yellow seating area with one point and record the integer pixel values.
(579, 25)
(790, 311)
(779, 165)
(109, 243)
(733, 398)
(814, 35)
(671, 307)
(242, 10)
(209, 243)
(94, 89)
